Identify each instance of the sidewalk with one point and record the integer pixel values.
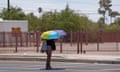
(91, 57)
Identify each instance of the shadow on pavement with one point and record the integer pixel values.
(55, 69)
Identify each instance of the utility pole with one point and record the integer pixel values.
(8, 5)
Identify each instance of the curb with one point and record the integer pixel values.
(60, 60)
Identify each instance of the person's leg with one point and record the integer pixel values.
(48, 60)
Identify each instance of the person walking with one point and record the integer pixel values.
(50, 47)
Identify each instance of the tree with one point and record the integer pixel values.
(69, 19)
(59, 20)
(34, 22)
(101, 24)
(112, 27)
(114, 14)
(105, 7)
(13, 14)
(66, 19)
(117, 21)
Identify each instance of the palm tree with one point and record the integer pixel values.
(102, 11)
(114, 14)
(104, 7)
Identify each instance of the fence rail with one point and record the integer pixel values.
(76, 42)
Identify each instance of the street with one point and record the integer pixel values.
(36, 66)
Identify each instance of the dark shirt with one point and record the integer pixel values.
(52, 44)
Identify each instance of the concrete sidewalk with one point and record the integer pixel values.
(93, 57)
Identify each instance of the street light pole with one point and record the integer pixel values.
(8, 5)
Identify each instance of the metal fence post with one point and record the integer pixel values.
(98, 36)
(3, 39)
(26, 38)
(37, 41)
(61, 50)
(117, 42)
(71, 37)
(16, 45)
(78, 41)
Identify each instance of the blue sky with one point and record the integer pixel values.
(87, 7)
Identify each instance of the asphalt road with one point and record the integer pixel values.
(35, 66)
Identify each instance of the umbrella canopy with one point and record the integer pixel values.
(50, 35)
(62, 33)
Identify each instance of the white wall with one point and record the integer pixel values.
(7, 25)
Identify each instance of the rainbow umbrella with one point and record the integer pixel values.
(62, 33)
(50, 35)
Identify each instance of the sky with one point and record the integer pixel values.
(85, 7)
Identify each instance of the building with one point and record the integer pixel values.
(9, 28)
(13, 25)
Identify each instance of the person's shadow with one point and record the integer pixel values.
(54, 69)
